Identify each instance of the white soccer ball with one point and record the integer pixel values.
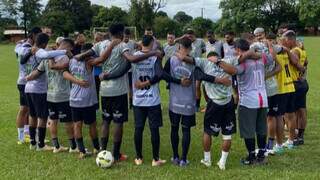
(104, 159)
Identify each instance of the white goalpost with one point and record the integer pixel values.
(132, 29)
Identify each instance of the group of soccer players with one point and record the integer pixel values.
(260, 76)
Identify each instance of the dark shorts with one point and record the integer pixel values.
(85, 114)
(186, 121)
(115, 109)
(60, 111)
(273, 106)
(252, 122)
(220, 118)
(302, 88)
(153, 113)
(38, 107)
(22, 95)
(287, 103)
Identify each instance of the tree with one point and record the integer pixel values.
(161, 14)
(201, 26)
(141, 14)
(163, 25)
(66, 16)
(25, 11)
(309, 13)
(107, 16)
(182, 17)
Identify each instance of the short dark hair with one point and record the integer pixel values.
(148, 29)
(42, 39)
(212, 53)
(210, 32)
(34, 31)
(231, 33)
(171, 33)
(147, 40)
(186, 42)
(116, 29)
(68, 41)
(127, 32)
(271, 36)
(86, 47)
(242, 44)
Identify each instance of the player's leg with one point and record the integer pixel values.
(77, 117)
(198, 95)
(187, 123)
(271, 122)
(107, 117)
(261, 131)
(130, 90)
(155, 122)
(247, 125)
(205, 98)
(33, 122)
(41, 108)
(53, 125)
(302, 111)
(292, 121)
(140, 116)
(90, 119)
(174, 136)
(66, 119)
(120, 116)
(22, 117)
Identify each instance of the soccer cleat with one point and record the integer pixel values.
(158, 163)
(184, 163)
(270, 152)
(175, 161)
(288, 145)
(45, 148)
(84, 155)
(123, 157)
(301, 141)
(221, 166)
(296, 142)
(278, 150)
(33, 147)
(206, 163)
(138, 161)
(60, 149)
(75, 150)
(248, 160)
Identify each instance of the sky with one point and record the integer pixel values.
(191, 7)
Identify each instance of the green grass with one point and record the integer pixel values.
(18, 162)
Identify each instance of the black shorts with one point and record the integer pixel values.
(115, 109)
(302, 88)
(286, 103)
(220, 118)
(85, 114)
(22, 95)
(38, 107)
(60, 111)
(273, 106)
(153, 113)
(186, 121)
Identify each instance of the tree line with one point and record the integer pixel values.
(68, 16)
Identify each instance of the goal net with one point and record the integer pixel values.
(132, 29)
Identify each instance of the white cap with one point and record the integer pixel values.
(258, 30)
(59, 39)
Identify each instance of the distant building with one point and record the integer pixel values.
(14, 35)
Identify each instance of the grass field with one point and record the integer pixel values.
(18, 162)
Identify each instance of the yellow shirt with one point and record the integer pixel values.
(285, 82)
(295, 73)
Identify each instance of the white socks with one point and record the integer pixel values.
(207, 156)
(224, 156)
(20, 134)
(26, 129)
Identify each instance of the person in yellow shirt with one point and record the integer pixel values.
(302, 87)
(289, 62)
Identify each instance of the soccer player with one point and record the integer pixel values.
(213, 44)
(21, 49)
(170, 47)
(58, 96)
(146, 100)
(83, 100)
(156, 43)
(229, 45)
(253, 101)
(36, 91)
(297, 69)
(79, 41)
(275, 122)
(114, 91)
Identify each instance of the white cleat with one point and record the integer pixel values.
(206, 163)
(221, 166)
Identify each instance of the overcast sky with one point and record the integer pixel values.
(191, 7)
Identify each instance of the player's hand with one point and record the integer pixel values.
(213, 59)
(224, 80)
(102, 76)
(69, 54)
(140, 85)
(27, 78)
(185, 82)
(83, 83)
(159, 54)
